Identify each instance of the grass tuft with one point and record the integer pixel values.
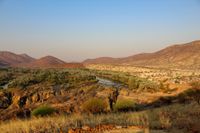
(43, 111)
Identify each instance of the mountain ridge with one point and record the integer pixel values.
(9, 59)
(179, 55)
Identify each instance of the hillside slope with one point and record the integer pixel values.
(47, 61)
(50, 62)
(9, 58)
(184, 56)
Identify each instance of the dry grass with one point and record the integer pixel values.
(63, 123)
(179, 117)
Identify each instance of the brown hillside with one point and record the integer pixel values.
(73, 65)
(9, 59)
(50, 62)
(47, 61)
(184, 56)
(28, 57)
(101, 60)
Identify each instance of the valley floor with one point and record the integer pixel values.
(97, 101)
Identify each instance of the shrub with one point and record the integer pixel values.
(95, 106)
(192, 94)
(23, 81)
(132, 83)
(195, 85)
(162, 86)
(4, 77)
(124, 106)
(148, 86)
(43, 111)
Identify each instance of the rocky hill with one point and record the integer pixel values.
(50, 62)
(177, 56)
(47, 61)
(10, 59)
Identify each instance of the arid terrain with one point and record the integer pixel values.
(184, 56)
(157, 93)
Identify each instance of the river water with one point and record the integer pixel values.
(109, 83)
(102, 81)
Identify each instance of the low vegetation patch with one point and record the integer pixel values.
(195, 85)
(44, 110)
(124, 106)
(4, 77)
(24, 78)
(95, 106)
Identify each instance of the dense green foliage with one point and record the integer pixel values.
(34, 77)
(22, 78)
(43, 111)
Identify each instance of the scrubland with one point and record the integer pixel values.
(74, 100)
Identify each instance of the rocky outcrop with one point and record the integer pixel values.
(5, 100)
(20, 102)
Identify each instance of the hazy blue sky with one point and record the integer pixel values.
(74, 30)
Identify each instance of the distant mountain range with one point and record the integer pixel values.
(9, 59)
(175, 56)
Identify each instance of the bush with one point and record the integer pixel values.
(132, 83)
(195, 85)
(4, 77)
(95, 106)
(23, 81)
(43, 111)
(124, 106)
(148, 86)
(192, 94)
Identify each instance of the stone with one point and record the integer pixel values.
(119, 127)
(86, 128)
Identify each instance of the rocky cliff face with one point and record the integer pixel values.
(18, 103)
(6, 100)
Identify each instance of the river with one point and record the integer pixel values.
(102, 81)
(109, 83)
